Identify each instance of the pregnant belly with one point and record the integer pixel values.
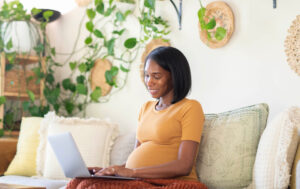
(150, 154)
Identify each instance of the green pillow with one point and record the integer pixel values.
(228, 146)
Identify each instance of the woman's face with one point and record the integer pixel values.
(158, 80)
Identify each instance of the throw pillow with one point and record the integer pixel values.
(294, 168)
(276, 151)
(124, 145)
(94, 139)
(24, 162)
(228, 146)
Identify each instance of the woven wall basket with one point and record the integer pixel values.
(153, 44)
(98, 76)
(224, 18)
(292, 45)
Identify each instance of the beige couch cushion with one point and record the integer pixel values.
(228, 146)
(94, 139)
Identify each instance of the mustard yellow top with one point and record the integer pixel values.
(161, 132)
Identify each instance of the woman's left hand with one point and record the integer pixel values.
(116, 170)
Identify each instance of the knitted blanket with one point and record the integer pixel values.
(94, 183)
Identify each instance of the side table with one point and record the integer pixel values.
(8, 148)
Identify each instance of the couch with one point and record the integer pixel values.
(238, 149)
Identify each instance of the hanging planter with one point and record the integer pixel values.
(24, 35)
(98, 76)
(216, 25)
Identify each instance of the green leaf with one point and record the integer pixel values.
(110, 2)
(119, 32)
(1, 132)
(82, 67)
(9, 67)
(130, 43)
(53, 52)
(110, 75)
(202, 24)
(98, 33)
(25, 105)
(69, 106)
(109, 10)
(97, 2)
(47, 14)
(96, 94)
(114, 70)
(72, 65)
(149, 4)
(220, 33)
(124, 69)
(211, 24)
(2, 100)
(34, 111)
(88, 40)
(9, 118)
(91, 13)
(110, 46)
(208, 35)
(9, 45)
(120, 16)
(52, 95)
(56, 107)
(201, 13)
(80, 79)
(81, 89)
(66, 83)
(35, 11)
(31, 95)
(39, 48)
(100, 8)
(89, 26)
(50, 78)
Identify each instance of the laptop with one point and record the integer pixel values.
(70, 159)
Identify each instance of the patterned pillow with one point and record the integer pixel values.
(228, 146)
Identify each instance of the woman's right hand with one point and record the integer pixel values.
(94, 170)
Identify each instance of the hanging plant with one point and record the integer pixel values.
(216, 24)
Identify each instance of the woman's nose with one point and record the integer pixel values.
(149, 81)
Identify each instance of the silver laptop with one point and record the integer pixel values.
(70, 158)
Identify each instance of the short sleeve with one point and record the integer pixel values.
(192, 122)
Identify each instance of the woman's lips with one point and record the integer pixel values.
(153, 92)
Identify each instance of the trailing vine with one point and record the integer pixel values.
(73, 93)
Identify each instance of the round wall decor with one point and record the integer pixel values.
(224, 18)
(83, 3)
(98, 76)
(153, 44)
(292, 45)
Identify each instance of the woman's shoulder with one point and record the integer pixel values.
(190, 102)
(148, 104)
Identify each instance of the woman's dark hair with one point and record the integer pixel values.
(172, 60)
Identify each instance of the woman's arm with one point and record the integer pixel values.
(180, 167)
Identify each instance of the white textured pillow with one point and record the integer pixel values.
(276, 151)
(94, 138)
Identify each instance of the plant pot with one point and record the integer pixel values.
(123, 6)
(24, 36)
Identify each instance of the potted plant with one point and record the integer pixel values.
(18, 33)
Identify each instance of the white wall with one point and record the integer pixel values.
(250, 69)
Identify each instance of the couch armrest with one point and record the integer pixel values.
(8, 148)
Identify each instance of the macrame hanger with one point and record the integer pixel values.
(178, 11)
